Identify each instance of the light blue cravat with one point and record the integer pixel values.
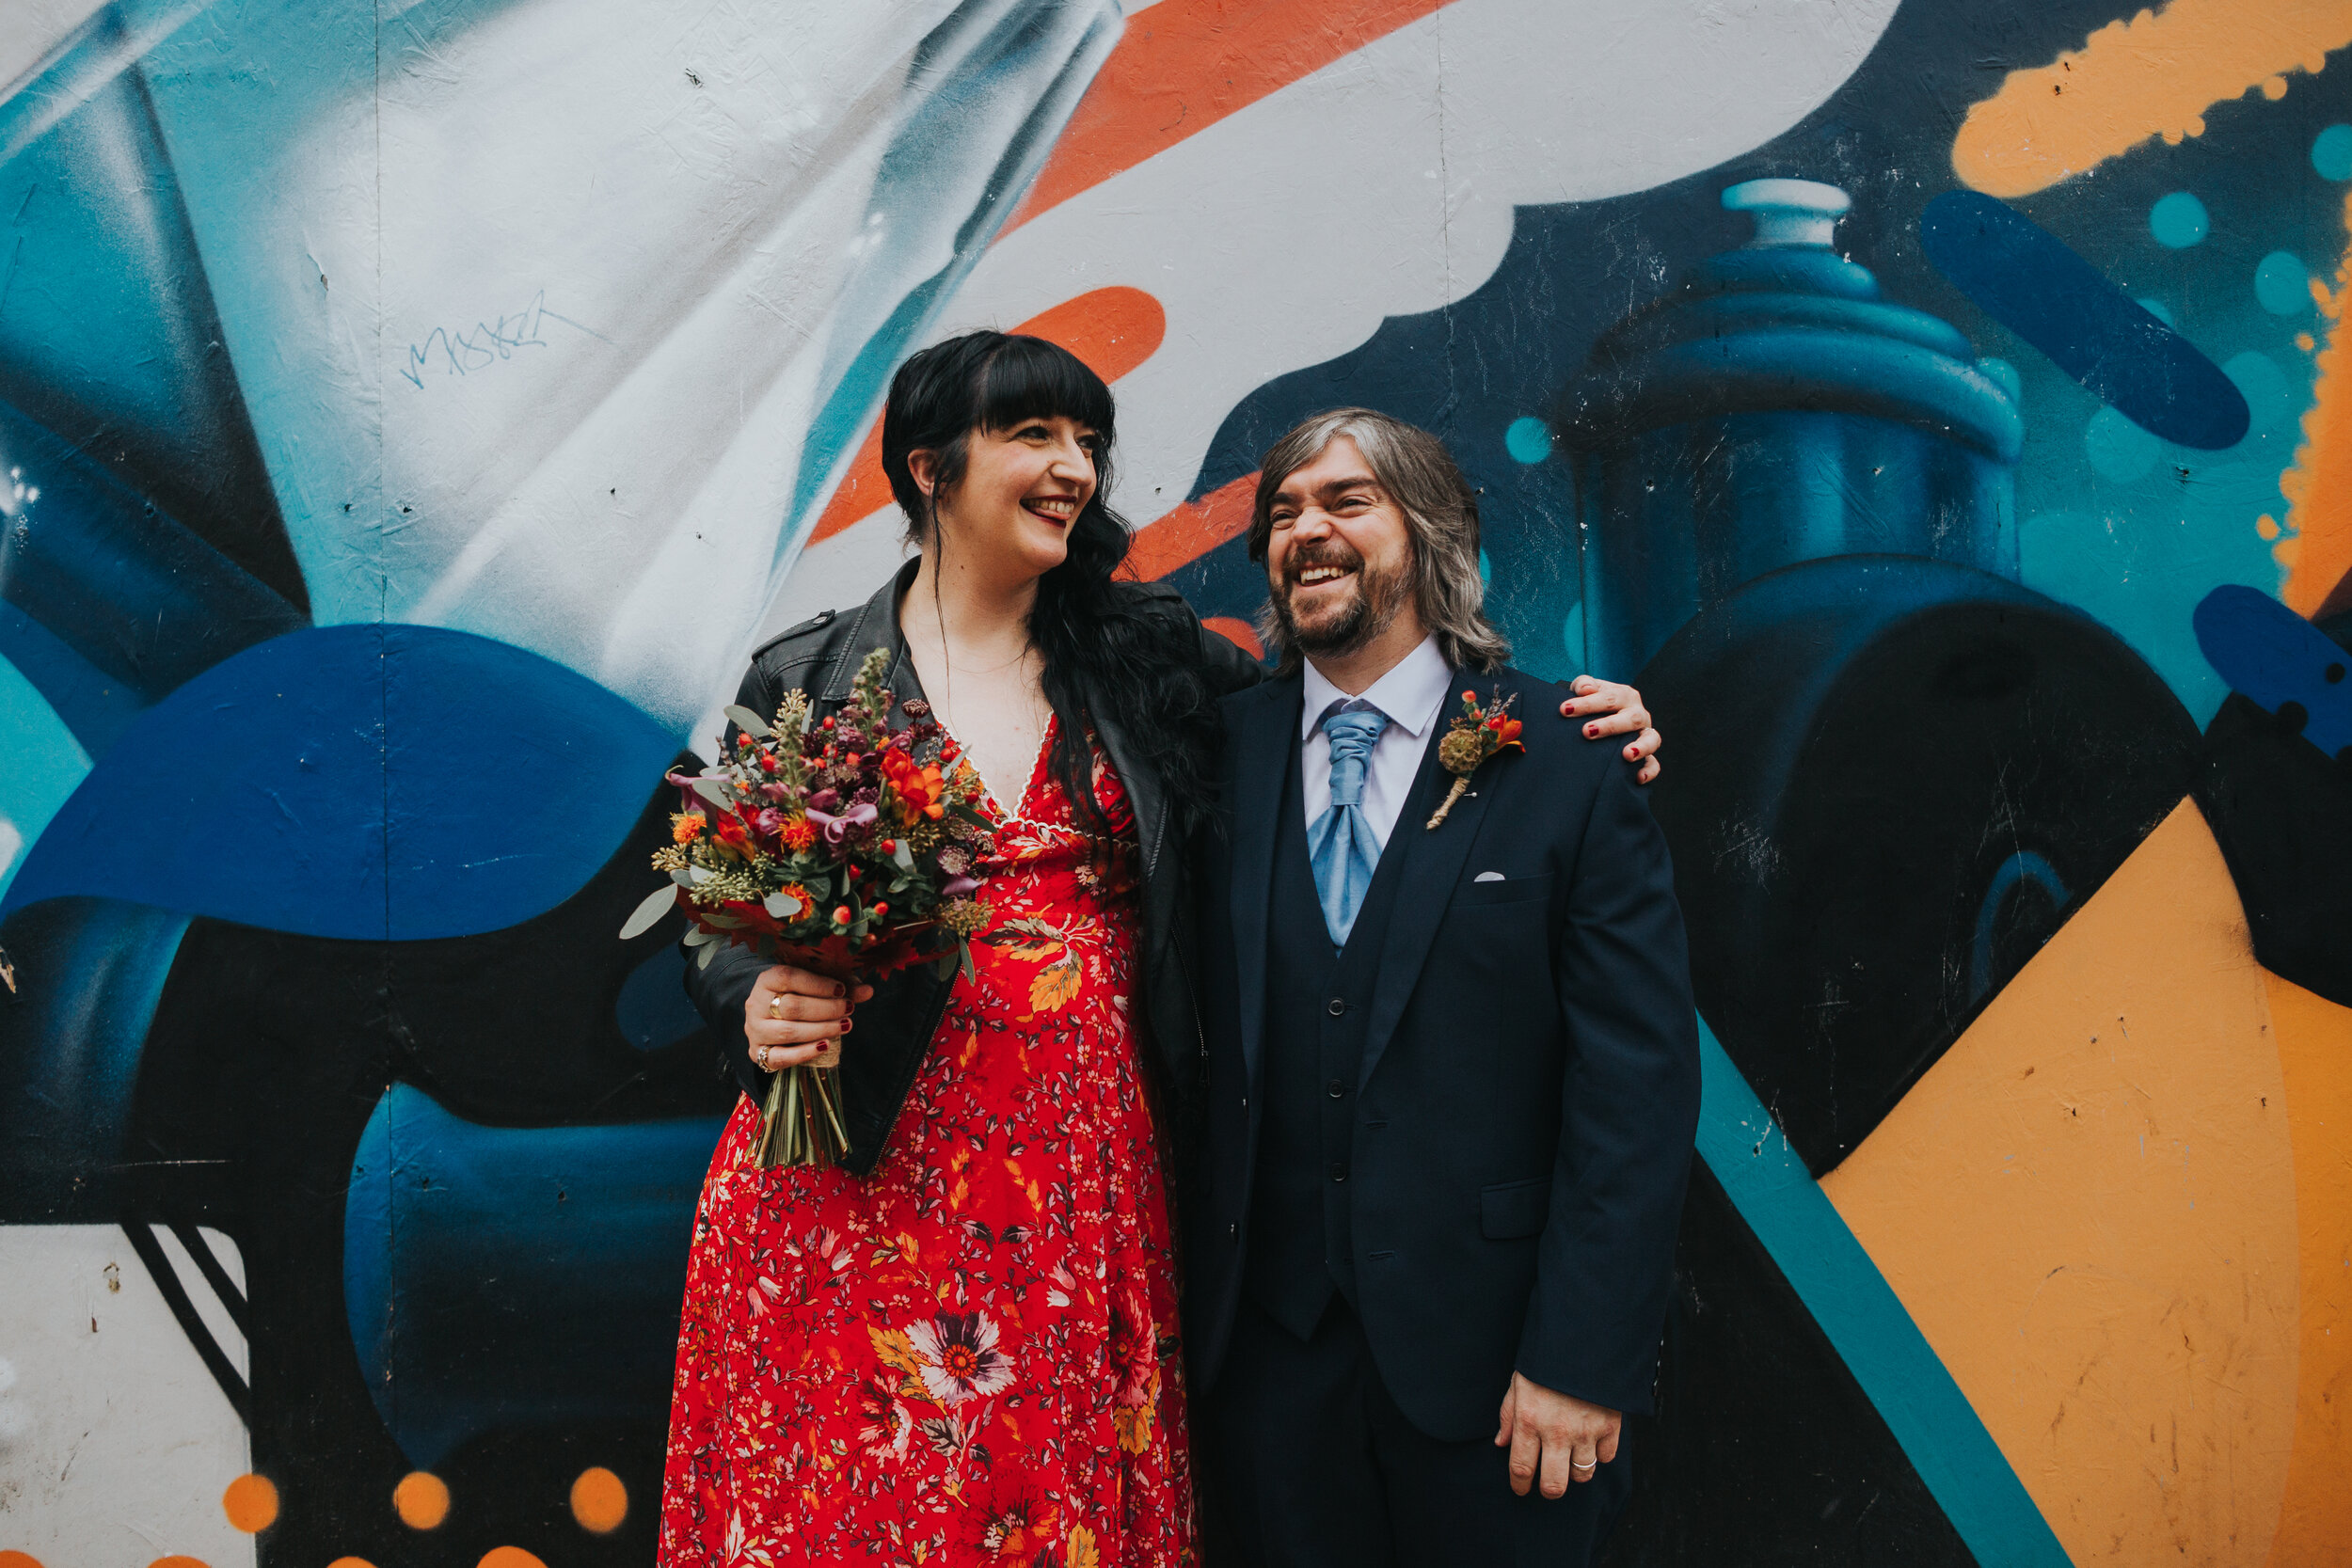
(1341, 845)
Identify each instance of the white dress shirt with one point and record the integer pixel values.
(1412, 694)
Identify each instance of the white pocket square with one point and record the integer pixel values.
(1487, 877)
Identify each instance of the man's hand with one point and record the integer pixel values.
(1609, 708)
(793, 1016)
(1557, 1436)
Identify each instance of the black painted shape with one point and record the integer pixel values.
(267, 1057)
(2283, 813)
(1764, 1450)
(183, 1311)
(1894, 778)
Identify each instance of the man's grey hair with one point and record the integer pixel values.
(1440, 516)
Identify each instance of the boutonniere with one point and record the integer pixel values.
(1478, 733)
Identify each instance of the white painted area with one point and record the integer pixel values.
(115, 1443)
(11, 844)
(35, 28)
(1382, 185)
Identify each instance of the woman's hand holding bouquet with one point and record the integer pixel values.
(844, 847)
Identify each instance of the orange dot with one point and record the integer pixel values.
(599, 1501)
(421, 1499)
(178, 1562)
(252, 1503)
(509, 1557)
(351, 1562)
(2266, 526)
(19, 1560)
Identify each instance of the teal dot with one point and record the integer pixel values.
(2264, 386)
(2119, 449)
(2331, 153)
(2178, 221)
(1485, 568)
(2282, 285)
(1528, 440)
(1572, 636)
(2157, 308)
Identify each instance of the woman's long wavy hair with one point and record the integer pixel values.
(1093, 633)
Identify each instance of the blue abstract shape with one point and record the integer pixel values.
(1528, 439)
(366, 783)
(2264, 386)
(39, 767)
(2282, 284)
(89, 974)
(2028, 279)
(2279, 661)
(140, 600)
(1865, 1321)
(2178, 221)
(2023, 866)
(2118, 449)
(503, 1277)
(651, 1009)
(2331, 153)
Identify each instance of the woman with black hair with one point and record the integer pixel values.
(961, 1345)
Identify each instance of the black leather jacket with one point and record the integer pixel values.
(880, 1057)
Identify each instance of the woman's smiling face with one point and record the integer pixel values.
(1022, 489)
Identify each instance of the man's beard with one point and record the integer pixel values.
(1377, 599)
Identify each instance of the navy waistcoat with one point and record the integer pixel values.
(1318, 1001)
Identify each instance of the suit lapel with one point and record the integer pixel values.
(1263, 730)
(1433, 863)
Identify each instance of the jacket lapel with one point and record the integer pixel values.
(1433, 865)
(1262, 728)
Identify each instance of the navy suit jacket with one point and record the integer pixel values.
(1529, 1084)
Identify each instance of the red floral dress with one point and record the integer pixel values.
(970, 1357)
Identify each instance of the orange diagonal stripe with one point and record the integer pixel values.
(1184, 65)
(1193, 530)
(1112, 329)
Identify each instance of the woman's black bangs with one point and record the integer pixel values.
(1028, 378)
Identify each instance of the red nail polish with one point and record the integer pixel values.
(1591, 732)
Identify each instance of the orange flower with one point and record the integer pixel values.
(799, 836)
(686, 827)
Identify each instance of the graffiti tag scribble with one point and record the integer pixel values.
(463, 351)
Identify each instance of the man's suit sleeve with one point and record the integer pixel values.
(719, 990)
(1628, 1117)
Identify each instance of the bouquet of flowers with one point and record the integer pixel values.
(844, 847)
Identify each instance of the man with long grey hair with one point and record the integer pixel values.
(1451, 1057)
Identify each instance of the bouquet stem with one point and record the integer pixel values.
(800, 1124)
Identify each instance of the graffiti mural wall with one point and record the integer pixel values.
(414, 413)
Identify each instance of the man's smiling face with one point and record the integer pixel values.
(1340, 558)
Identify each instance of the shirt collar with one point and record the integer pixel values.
(1411, 693)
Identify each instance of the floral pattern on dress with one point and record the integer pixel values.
(971, 1356)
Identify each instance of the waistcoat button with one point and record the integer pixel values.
(1338, 1089)
(1339, 1171)
(1338, 1006)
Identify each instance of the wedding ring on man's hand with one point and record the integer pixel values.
(775, 1005)
(1574, 1465)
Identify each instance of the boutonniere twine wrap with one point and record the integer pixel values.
(1477, 734)
(844, 847)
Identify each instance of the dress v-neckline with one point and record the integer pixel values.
(1028, 779)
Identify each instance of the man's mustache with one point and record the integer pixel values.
(1325, 555)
